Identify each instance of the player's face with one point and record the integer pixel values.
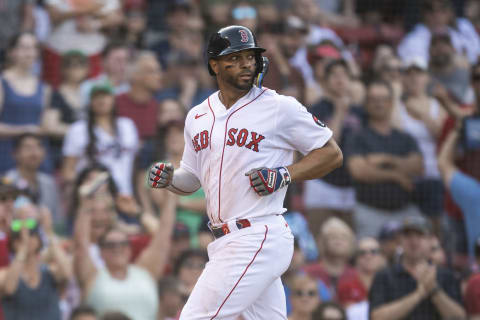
(237, 69)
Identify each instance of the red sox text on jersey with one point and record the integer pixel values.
(235, 136)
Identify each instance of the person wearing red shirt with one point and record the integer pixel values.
(336, 246)
(472, 292)
(140, 106)
(352, 292)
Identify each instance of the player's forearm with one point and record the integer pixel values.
(184, 182)
(398, 309)
(317, 163)
(447, 307)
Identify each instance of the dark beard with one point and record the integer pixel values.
(239, 84)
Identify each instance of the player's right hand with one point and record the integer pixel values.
(160, 175)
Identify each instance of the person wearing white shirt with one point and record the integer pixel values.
(439, 17)
(104, 138)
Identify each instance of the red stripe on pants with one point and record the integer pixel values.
(244, 271)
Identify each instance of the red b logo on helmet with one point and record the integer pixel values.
(244, 35)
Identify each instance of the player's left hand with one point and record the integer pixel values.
(266, 181)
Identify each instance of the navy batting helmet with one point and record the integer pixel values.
(233, 39)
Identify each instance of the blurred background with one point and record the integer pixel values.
(94, 91)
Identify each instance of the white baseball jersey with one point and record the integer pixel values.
(262, 129)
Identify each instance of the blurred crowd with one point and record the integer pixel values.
(94, 91)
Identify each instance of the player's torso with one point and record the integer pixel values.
(228, 143)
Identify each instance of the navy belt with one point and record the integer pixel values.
(222, 230)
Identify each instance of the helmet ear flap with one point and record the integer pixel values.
(259, 63)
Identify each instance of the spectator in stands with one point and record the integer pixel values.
(189, 267)
(464, 188)
(115, 315)
(245, 14)
(191, 208)
(187, 79)
(296, 268)
(134, 28)
(15, 16)
(466, 160)
(78, 25)
(413, 288)
(121, 285)
(447, 68)
(281, 76)
(139, 105)
(437, 254)
(335, 109)
(422, 117)
(180, 241)
(66, 101)
(383, 163)
(438, 16)
(170, 112)
(83, 312)
(304, 297)
(30, 287)
(336, 247)
(115, 59)
(389, 241)
(353, 292)
(300, 229)
(329, 311)
(318, 57)
(23, 96)
(104, 138)
(29, 153)
(173, 296)
(8, 193)
(182, 20)
(472, 291)
(391, 71)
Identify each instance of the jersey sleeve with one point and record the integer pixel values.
(297, 128)
(189, 158)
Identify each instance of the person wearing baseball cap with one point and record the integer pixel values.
(100, 88)
(415, 288)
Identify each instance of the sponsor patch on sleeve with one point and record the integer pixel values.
(318, 122)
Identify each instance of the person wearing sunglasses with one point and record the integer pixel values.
(304, 297)
(122, 285)
(30, 285)
(353, 291)
(189, 266)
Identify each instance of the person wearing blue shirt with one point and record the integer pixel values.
(465, 189)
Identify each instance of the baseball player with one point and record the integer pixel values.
(239, 146)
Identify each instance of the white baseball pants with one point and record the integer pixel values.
(242, 276)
